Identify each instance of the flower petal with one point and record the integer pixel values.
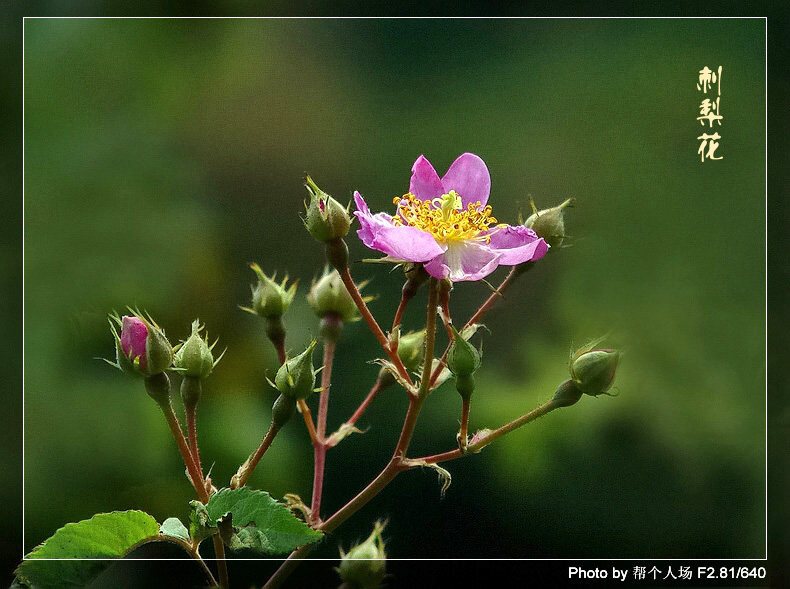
(425, 183)
(133, 337)
(464, 261)
(399, 241)
(468, 176)
(517, 244)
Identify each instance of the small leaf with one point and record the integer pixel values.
(261, 523)
(172, 526)
(104, 536)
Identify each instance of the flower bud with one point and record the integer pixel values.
(270, 299)
(463, 360)
(549, 223)
(326, 218)
(568, 393)
(282, 409)
(194, 357)
(329, 295)
(296, 378)
(411, 349)
(593, 370)
(365, 565)
(141, 348)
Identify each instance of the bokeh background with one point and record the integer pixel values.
(163, 156)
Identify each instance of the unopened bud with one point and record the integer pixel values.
(282, 409)
(326, 218)
(593, 370)
(296, 377)
(568, 393)
(365, 565)
(194, 357)
(549, 223)
(141, 347)
(270, 299)
(329, 295)
(411, 349)
(463, 360)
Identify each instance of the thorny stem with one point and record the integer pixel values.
(246, 469)
(183, 448)
(333, 440)
(462, 431)
(396, 464)
(497, 433)
(197, 481)
(444, 301)
(514, 273)
(320, 445)
(404, 301)
(345, 276)
(190, 411)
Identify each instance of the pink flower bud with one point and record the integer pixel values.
(134, 334)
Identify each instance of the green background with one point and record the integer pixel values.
(161, 157)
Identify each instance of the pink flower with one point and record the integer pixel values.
(445, 224)
(134, 335)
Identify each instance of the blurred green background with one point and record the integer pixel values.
(163, 156)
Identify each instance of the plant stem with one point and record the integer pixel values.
(396, 464)
(183, 448)
(462, 432)
(514, 273)
(308, 419)
(497, 433)
(319, 445)
(430, 337)
(222, 564)
(374, 391)
(191, 550)
(190, 411)
(246, 469)
(345, 276)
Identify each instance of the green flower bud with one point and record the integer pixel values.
(194, 358)
(463, 360)
(411, 349)
(141, 346)
(568, 393)
(549, 223)
(365, 565)
(270, 299)
(282, 409)
(593, 370)
(296, 378)
(326, 218)
(329, 295)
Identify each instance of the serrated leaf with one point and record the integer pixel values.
(199, 526)
(172, 526)
(104, 536)
(261, 523)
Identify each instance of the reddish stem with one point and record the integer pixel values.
(319, 445)
(462, 432)
(497, 433)
(248, 467)
(190, 411)
(514, 273)
(374, 391)
(345, 276)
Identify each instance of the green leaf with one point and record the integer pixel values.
(260, 522)
(199, 526)
(104, 536)
(172, 526)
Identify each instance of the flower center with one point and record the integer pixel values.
(445, 217)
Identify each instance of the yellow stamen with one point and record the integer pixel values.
(445, 218)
